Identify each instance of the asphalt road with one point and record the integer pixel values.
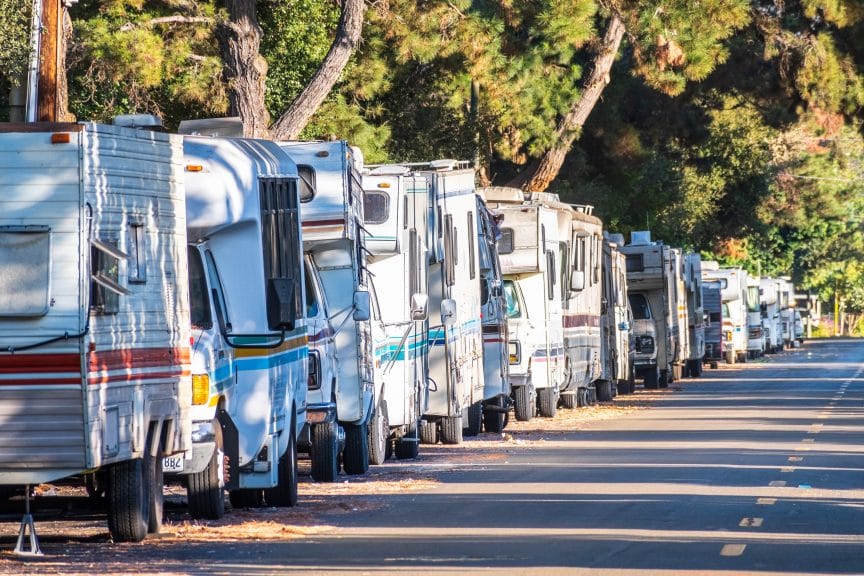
(752, 469)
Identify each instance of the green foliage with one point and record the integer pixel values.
(14, 38)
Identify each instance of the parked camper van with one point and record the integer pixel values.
(769, 303)
(733, 285)
(396, 221)
(529, 252)
(248, 324)
(695, 314)
(456, 389)
(755, 335)
(94, 322)
(712, 302)
(786, 297)
(582, 295)
(652, 284)
(493, 309)
(615, 320)
(332, 217)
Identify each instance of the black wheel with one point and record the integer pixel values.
(568, 400)
(474, 420)
(742, 357)
(408, 446)
(652, 379)
(156, 502)
(697, 372)
(604, 390)
(428, 432)
(355, 456)
(206, 489)
(524, 404)
(128, 500)
(547, 402)
(325, 452)
(379, 435)
(495, 419)
(730, 356)
(284, 494)
(246, 498)
(451, 430)
(663, 382)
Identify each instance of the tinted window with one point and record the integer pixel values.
(376, 206)
(511, 295)
(307, 183)
(199, 301)
(639, 305)
(311, 296)
(505, 243)
(634, 263)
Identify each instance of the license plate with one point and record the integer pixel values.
(172, 464)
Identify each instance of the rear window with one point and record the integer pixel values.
(639, 306)
(25, 257)
(505, 243)
(376, 206)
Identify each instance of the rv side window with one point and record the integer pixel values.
(105, 288)
(579, 256)
(413, 263)
(307, 183)
(218, 293)
(505, 243)
(25, 259)
(449, 245)
(563, 258)
(472, 240)
(634, 263)
(311, 295)
(279, 226)
(199, 301)
(376, 207)
(639, 306)
(511, 298)
(550, 275)
(137, 253)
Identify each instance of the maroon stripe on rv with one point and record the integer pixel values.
(136, 376)
(321, 335)
(579, 320)
(36, 363)
(138, 358)
(323, 222)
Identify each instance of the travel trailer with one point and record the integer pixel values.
(396, 222)
(456, 388)
(712, 303)
(94, 317)
(332, 218)
(695, 314)
(755, 334)
(733, 291)
(652, 284)
(615, 320)
(248, 300)
(529, 251)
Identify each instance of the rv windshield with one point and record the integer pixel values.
(639, 305)
(511, 294)
(199, 301)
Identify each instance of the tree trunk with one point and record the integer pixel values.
(540, 174)
(63, 114)
(292, 122)
(245, 69)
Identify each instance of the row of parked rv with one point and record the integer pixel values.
(206, 307)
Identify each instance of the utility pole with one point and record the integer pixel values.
(47, 102)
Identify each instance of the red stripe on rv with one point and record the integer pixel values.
(39, 363)
(137, 358)
(579, 320)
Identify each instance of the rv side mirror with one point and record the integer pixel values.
(362, 306)
(604, 306)
(419, 306)
(448, 312)
(577, 281)
(280, 303)
(624, 326)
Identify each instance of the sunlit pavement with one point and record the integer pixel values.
(754, 469)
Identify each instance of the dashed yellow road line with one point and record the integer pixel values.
(766, 501)
(750, 522)
(787, 469)
(777, 483)
(796, 458)
(808, 440)
(733, 550)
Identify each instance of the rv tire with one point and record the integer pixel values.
(325, 452)
(663, 382)
(495, 420)
(742, 357)
(284, 494)
(451, 430)
(474, 420)
(246, 498)
(730, 356)
(205, 490)
(355, 457)
(408, 446)
(547, 402)
(428, 432)
(156, 500)
(604, 390)
(128, 500)
(524, 405)
(568, 400)
(379, 435)
(652, 379)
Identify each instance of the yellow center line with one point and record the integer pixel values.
(787, 469)
(733, 550)
(795, 458)
(766, 501)
(777, 483)
(750, 522)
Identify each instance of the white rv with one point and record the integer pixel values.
(653, 290)
(712, 303)
(247, 296)
(94, 323)
(755, 334)
(769, 303)
(615, 320)
(456, 386)
(582, 295)
(396, 221)
(332, 216)
(530, 255)
(786, 296)
(496, 367)
(733, 291)
(695, 313)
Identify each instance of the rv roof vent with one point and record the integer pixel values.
(640, 238)
(231, 127)
(390, 170)
(710, 265)
(443, 164)
(543, 197)
(502, 194)
(615, 238)
(144, 121)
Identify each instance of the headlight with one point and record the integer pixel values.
(514, 351)
(200, 389)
